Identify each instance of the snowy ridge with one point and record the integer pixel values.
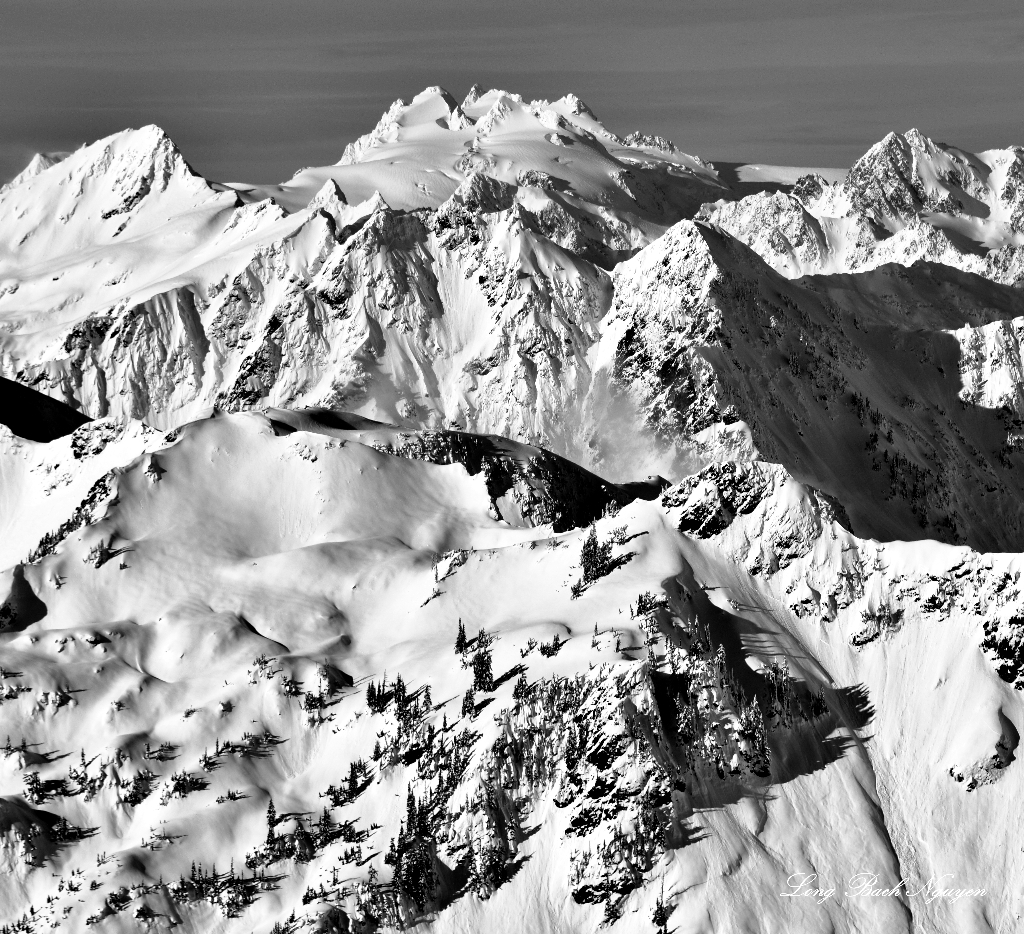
(703, 716)
(407, 338)
(867, 386)
(40, 162)
(511, 527)
(907, 199)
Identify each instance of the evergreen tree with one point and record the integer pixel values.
(468, 704)
(323, 827)
(377, 696)
(660, 915)
(423, 820)
(413, 856)
(460, 640)
(595, 557)
(483, 677)
(271, 822)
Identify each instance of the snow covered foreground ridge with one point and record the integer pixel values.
(381, 644)
(241, 694)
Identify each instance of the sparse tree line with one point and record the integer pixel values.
(621, 750)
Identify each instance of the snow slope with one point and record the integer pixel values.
(236, 560)
(896, 386)
(420, 152)
(512, 527)
(491, 305)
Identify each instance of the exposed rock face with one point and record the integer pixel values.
(527, 486)
(344, 509)
(907, 199)
(867, 386)
(546, 307)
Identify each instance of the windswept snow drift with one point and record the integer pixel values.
(512, 527)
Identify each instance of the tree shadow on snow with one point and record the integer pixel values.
(514, 672)
(815, 737)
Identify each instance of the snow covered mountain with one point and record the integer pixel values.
(897, 386)
(512, 527)
(908, 198)
(162, 295)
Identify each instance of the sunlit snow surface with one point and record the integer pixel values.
(796, 657)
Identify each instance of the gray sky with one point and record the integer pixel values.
(253, 91)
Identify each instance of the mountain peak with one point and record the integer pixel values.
(576, 106)
(376, 204)
(433, 105)
(329, 199)
(918, 140)
(445, 666)
(39, 163)
(438, 92)
(99, 190)
(483, 194)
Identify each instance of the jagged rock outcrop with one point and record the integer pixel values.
(338, 515)
(867, 386)
(907, 199)
(538, 306)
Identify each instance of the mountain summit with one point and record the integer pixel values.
(513, 526)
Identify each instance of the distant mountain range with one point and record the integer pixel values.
(511, 527)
